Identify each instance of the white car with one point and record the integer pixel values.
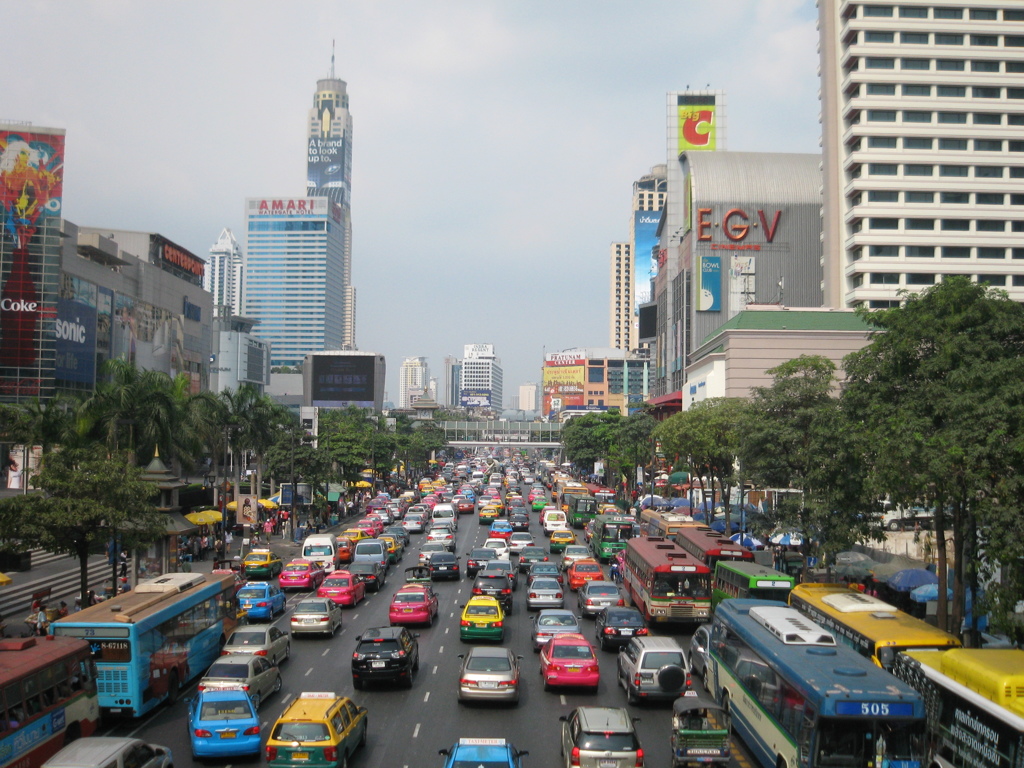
(500, 546)
(519, 540)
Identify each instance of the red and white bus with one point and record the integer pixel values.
(47, 697)
(709, 546)
(665, 583)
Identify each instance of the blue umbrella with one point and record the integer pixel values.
(910, 578)
(680, 502)
(926, 593)
(651, 501)
(719, 525)
(746, 540)
(787, 539)
(700, 517)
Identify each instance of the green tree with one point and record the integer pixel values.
(587, 439)
(633, 445)
(88, 500)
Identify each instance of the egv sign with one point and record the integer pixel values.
(736, 227)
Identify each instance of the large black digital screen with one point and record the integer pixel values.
(340, 381)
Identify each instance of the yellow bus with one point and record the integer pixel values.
(872, 627)
(655, 523)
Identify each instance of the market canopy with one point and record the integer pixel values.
(204, 517)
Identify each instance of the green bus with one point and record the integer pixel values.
(610, 534)
(579, 508)
(743, 578)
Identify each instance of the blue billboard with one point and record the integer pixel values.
(75, 342)
(709, 284)
(475, 398)
(645, 241)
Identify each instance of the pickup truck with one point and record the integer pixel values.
(907, 518)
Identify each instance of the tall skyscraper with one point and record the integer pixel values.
(452, 382)
(223, 277)
(633, 266)
(413, 380)
(528, 396)
(922, 110)
(294, 284)
(329, 174)
(481, 378)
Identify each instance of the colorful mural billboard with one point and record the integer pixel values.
(709, 284)
(645, 266)
(698, 129)
(563, 385)
(475, 398)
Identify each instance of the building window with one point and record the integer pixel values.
(920, 278)
(910, 38)
(1015, 119)
(983, 225)
(948, 13)
(878, 10)
(956, 252)
(914, 116)
(872, 36)
(920, 251)
(992, 279)
(985, 92)
(953, 170)
(953, 118)
(985, 40)
(882, 142)
(881, 89)
(951, 91)
(947, 39)
(882, 169)
(984, 66)
(984, 14)
(1016, 199)
(917, 142)
(875, 62)
(883, 196)
(881, 116)
(988, 172)
(913, 12)
(986, 252)
(1018, 280)
(1009, 15)
(949, 65)
(918, 170)
(1015, 93)
(1017, 253)
(1015, 67)
(990, 198)
(953, 144)
(885, 278)
(916, 65)
(987, 118)
(1017, 226)
(1017, 146)
(988, 145)
(885, 223)
(884, 251)
(918, 224)
(956, 225)
(919, 197)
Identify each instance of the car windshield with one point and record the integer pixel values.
(572, 652)
(317, 549)
(658, 659)
(587, 568)
(225, 710)
(481, 610)
(409, 597)
(378, 646)
(311, 606)
(228, 669)
(608, 741)
(557, 621)
(603, 590)
(342, 581)
(297, 568)
(482, 554)
(248, 637)
(301, 732)
(252, 592)
(544, 584)
(488, 664)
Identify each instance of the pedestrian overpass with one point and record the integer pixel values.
(522, 434)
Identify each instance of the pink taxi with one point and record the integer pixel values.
(343, 588)
(569, 660)
(301, 574)
(413, 604)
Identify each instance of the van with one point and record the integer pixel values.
(323, 549)
(371, 551)
(445, 513)
(110, 752)
(553, 519)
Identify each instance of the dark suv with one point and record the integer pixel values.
(444, 565)
(385, 653)
(497, 585)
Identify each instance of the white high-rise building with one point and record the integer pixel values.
(528, 396)
(223, 277)
(621, 299)
(481, 378)
(923, 140)
(413, 380)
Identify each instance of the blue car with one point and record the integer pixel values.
(261, 600)
(223, 723)
(501, 528)
(494, 753)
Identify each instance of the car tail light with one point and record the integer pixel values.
(498, 624)
(331, 754)
(639, 758)
(574, 757)
(465, 681)
(621, 602)
(590, 601)
(271, 753)
(262, 605)
(259, 653)
(636, 679)
(506, 591)
(477, 591)
(254, 731)
(463, 623)
(533, 595)
(507, 683)
(609, 630)
(594, 668)
(202, 733)
(642, 631)
(325, 618)
(225, 653)
(200, 687)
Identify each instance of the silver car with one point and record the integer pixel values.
(519, 541)
(572, 553)
(315, 615)
(601, 736)
(489, 674)
(544, 593)
(594, 596)
(427, 551)
(550, 622)
(442, 535)
(414, 522)
(260, 640)
(252, 673)
(699, 645)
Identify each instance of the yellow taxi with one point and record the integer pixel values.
(488, 514)
(482, 619)
(395, 547)
(355, 534)
(318, 728)
(560, 539)
(262, 564)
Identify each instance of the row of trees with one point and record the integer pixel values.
(930, 412)
(623, 443)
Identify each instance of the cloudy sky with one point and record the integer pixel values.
(495, 142)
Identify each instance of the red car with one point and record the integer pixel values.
(413, 604)
(569, 660)
(301, 574)
(342, 588)
(372, 525)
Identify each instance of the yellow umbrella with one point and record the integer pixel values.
(204, 517)
(5, 580)
(268, 503)
(363, 484)
(231, 506)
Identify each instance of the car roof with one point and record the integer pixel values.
(615, 719)
(482, 600)
(96, 750)
(489, 650)
(383, 633)
(310, 705)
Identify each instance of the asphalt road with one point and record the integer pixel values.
(408, 727)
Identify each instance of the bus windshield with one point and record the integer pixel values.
(681, 585)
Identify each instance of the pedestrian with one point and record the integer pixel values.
(42, 624)
(123, 563)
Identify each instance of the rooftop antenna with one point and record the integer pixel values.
(332, 59)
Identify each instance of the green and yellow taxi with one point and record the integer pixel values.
(488, 514)
(319, 728)
(395, 547)
(355, 534)
(482, 619)
(539, 503)
(262, 564)
(560, 539)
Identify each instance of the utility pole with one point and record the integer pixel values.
(291, 515)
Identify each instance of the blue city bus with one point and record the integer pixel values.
(800, 700)
(148, 643)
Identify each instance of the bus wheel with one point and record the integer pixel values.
(72, 733)
(780, 763)
(172, 687)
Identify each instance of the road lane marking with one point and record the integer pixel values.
(426, 697)
(355, 616)
(325, 653)
(435, 670)
(446, 630)
(308, 672)
(416, 731)
(287, 696)
(561, 699)
(440, 649)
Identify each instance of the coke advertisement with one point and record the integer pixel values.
(31, 185)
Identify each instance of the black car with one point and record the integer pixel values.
(385, 653)
(504, 566)
(372, 573)
(520, 521)
(495, 584)
(531, 555)
(444, 565)
(615, 626)
(399, 532)
(477, 558)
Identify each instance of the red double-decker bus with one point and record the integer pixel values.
(665, 583)
(710, 546)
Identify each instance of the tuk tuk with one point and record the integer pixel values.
(418, 574)
(700, 730)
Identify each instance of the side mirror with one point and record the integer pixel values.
(521, 753)
(444, 752)
(462, 656)
(564, 718)
(359, 638)
(635, 719)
